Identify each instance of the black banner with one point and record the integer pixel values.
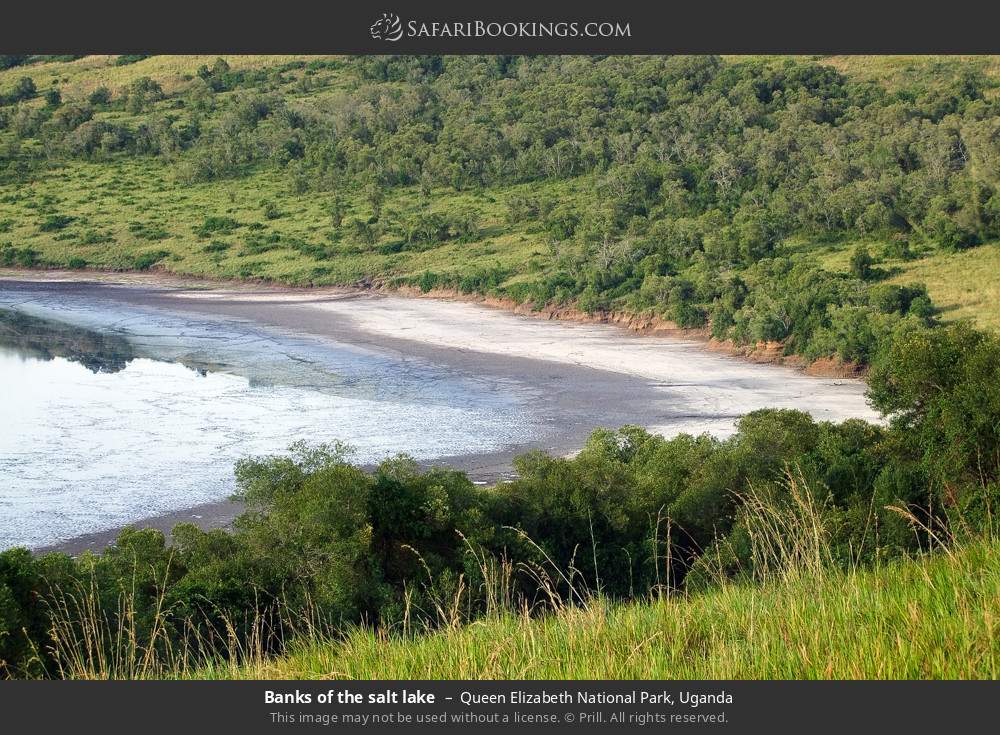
(514, 26)
(449, 706)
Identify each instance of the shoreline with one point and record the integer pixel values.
(646, 325)
(588, 374)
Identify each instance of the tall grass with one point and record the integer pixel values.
(788, 537)
(87, 642)
(936, 617)
(90, 639)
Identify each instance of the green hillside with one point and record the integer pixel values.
(706, 191)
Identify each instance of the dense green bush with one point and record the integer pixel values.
(145, 261)
(941, 390)
(21, 257)
(55, 222)
(9, 61)
(216, 225)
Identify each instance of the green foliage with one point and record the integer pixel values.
(148, 231)
(941, 390)
(216, 225)
(145, 261)
(861, 263)
(9, 61)
(21, 257)
(100, 96)
(55, 222)
(216, 246)
(24, 581)
(126, 59)
(24, 89)
(428, 281)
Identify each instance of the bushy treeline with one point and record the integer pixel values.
(632, 513)
(9, 61)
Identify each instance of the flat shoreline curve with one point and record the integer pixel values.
(590, 374)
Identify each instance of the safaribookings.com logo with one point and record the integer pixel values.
(390, 28)
(387, 28)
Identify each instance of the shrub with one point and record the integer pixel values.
(126, 59)
(428, 281)
(148, 231)
(21, 257)
(213, 225)
(145, 261)
(100, 97)
(9, 61)
(271, 211)
(861, 263)
(24, 89)
(95, 237)
(55, 222)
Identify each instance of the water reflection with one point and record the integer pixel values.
(44, 339)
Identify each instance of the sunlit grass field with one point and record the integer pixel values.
(84, 75)
(963, 284)
(135, 208)
(933, 618)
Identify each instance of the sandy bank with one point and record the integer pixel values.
(721, 386)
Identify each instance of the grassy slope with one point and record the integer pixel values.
(899, 71)
(82, 76)
(963, 285)
(931, 618)
(111, 201)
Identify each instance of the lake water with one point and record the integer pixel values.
(110, 415)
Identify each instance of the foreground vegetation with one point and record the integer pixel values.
(936, 618)
(702, 190)
(325, 547)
